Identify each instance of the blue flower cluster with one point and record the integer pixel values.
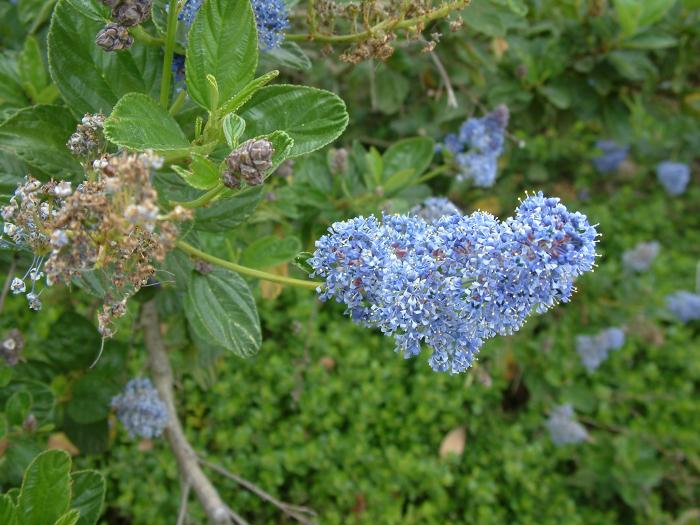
(140, 409)
(684, 305)
(612, 155)
(563, 428)
(673, 176)
(478, 145)
(457, 282)
(271, 19)
(433, 208)
(639, 258)
(593, 350)
(178, 69)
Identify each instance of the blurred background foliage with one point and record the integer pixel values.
(326, 415)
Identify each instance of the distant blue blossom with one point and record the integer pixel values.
(685, 306)
(478, 145)
(271, 19)
(433, 208)
(563, 427)
(611, 157)
(178, 69)
(458, 281)
(140, 409)
(639, 258)
(594, 350)
(673, 176)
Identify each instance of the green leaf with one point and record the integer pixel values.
(8, 511)
(17, 407)
(633, 65)
(301, 262)
(45, 493)
(91, 438)
(226, 214)
(31, 68)
(391, 89)
(38, 136)
(269, 251)
(234, 126)
(557, 96)
(650, 40)
(139, 123)
(414, 153)
(88, 495)
(204, 175)
(69, 518)
(73, 342)
(11, 91)
(375, 165)
(289, 55)
(311, 117)
(221, 310)
(5, 376)
(41, 394)
(90, 79)
(223, 42)
(399, 181)
(91, 396)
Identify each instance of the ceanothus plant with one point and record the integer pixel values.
(140, 180)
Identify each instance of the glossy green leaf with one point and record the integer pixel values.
(88, 495)
(8, 511)
(269, 251)
(31, 68)
(17, 407)
(90, 79)
(289, 56)
(203, 174)
(409, 154)
(42, 397)
(69, 518)
(233, 126)
(38, 135)
(139, 123)
(311, 117)
(221, 310)
(223, 42)
(11, 91)
(227, 213)
(45, 493)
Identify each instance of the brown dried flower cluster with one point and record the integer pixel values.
(125, 14)
(112, 223)
(88, 139)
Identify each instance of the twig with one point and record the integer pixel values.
(293, 511)
(184, 496)
(162, 375)
(451, 99)
(6, 286)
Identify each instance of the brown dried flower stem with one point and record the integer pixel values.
(386, 25)
(244, 270)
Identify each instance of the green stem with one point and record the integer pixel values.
(203, 199)
(386, 25)
(168, 57)
(179, 102)
(433, 173)
(244, 270)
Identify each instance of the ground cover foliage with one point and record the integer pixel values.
(204, 191)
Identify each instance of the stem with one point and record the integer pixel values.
(391, 24)
(434, 173)
(168, 56)
(179, 102)
(203, 199)
(162, 375)
(244, 270)
(6, 286)
(144, 37)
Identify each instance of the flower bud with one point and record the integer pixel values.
(114, 37)
(132, 12)
(251, 159)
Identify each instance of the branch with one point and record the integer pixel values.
(187, 463)
(184, 496)
(293, 511)
(451, 99)
(6, 286)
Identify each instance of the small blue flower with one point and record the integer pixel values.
(684, 305)
(433, 208)
(674, 176)
(594, 350)
(271, 19)
(140, 409)
(189, 11)
(611, 157)
(639, 258)
(563, 428)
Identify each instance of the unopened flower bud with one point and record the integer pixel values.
(251, 159)
(132, 12)
(114, 37)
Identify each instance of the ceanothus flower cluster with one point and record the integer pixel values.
(684, 305)
(612, 155)
(673, 176)
(478, 145)
(271, 20)
(563, 428)
(456, 282)
(639, 258)
(433, 208)
(594, 349)
(140, 409)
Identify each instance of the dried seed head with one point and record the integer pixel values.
(114, 37)
(132, 12)
(11, 346)
(251, 159)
